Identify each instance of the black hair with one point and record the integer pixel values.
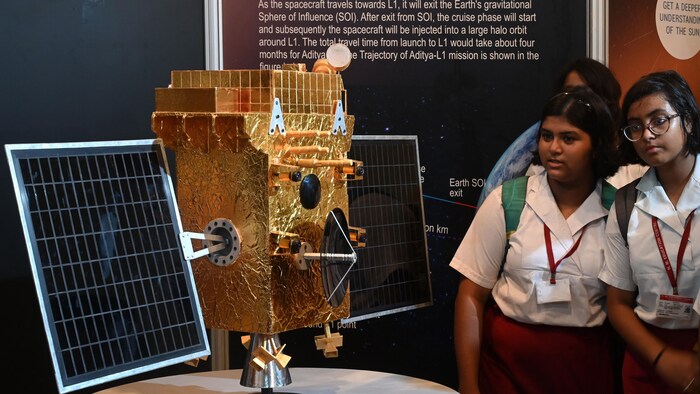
(598, 78)
(584, 109)
(676, 91)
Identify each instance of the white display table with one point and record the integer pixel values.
(304, 380)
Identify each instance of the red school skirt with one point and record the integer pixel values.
(539, 359)
(638, 377)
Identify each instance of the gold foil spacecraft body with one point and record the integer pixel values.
(264, 150)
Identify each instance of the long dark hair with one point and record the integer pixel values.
(584, 109)
(676, 91)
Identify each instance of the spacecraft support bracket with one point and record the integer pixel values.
(188, 251)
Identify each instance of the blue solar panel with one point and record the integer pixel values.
(101, 226)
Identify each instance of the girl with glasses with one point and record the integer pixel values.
(653, 271)
(531, 319)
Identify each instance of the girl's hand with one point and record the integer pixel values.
(678, 367)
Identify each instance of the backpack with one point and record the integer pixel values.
(513, 200)
(625, 198)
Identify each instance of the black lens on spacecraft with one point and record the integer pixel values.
(310, 191)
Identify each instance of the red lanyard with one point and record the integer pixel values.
(681, 250)
(550, 254)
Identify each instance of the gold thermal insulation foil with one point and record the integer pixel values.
(228, 166)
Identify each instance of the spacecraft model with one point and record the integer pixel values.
(262, 168)
(265, 191)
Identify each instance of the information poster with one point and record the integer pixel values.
(654, 35)
(466, 77)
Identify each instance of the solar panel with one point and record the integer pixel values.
(101, 226)
(392, 273)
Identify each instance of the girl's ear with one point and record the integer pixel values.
(687, 124)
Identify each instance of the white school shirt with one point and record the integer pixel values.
(479, 257)
(640, 267)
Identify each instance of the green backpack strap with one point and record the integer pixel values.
(513, 200)
(608, 195)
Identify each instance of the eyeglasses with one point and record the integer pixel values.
(658, 126)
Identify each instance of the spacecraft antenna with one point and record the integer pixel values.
(337, 257)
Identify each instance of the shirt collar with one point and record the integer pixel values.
(654, 200)
(541, 200)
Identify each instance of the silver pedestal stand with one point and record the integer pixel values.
(272, 375)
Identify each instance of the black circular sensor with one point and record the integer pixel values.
(310, 191)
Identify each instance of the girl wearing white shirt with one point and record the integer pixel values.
(545, 332)
(654, 277)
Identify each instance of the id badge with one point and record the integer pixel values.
(557, 292)
(674, 307)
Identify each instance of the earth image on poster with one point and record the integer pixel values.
(513, 162)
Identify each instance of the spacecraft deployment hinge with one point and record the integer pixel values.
(221, 243)
(188, 251)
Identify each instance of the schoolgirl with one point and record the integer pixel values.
(653, 269)
(544, 331)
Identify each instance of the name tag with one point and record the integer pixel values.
(674, 307)
(548, 292)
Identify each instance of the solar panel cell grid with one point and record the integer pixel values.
(117, 293)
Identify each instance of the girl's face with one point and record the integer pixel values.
(565, 151)
(657, 150)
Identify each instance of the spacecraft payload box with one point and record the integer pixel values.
(261, 159)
